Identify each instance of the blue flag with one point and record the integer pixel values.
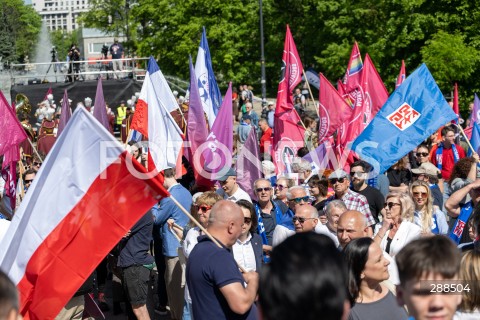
(207, 85)
(414, 111)
(475, 139)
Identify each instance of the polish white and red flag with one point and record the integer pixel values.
(88, 193)
(153, 120)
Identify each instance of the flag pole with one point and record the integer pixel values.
(201, 227)
(466, 138)
(35, 150)
(311, 95)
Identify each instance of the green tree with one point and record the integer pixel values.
(19, 29)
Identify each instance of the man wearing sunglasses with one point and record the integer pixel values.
(305, 219)
(340, 181)
(269, 213)
(28, 177)
(230, 187)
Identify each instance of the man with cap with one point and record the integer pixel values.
(340, 181)
(270, 113)
(230, 187)
(429, 173)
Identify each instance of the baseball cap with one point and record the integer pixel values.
(427, 168)
(230, 173)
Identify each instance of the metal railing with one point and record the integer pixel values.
(71, 71)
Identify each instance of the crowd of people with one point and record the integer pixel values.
(309, 244)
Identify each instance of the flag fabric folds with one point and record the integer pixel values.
(401, 75)
(9, 175)
(475, 139)
(12, 133)
(289, 134)
(333, 110)
(197, 131)
(475, 116)
(65, 115)
(84, 199)
(354, 70)
(217, 156)
(412, 113)
(248, 165)
(153, 120)
(100, 107)
(206, 83)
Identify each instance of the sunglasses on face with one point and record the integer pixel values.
(334, 180)
(390, 205)
(300, 199)
(37, 164)
(247, 220)
(300, 219)
(420, 194)
(357, 174)
(280, 187)
(422, 154)
(266, 189)
(203, 207)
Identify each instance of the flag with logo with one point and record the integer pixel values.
(412, 113)
(206, 82)
(289, 134)
(218, 154)
(401, 75)
(86, 196)
(333, 109)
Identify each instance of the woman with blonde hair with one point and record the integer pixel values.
(397, 230)
(427, 216)
(469, 308)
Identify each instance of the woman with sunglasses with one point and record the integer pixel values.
(248, 251)
(397, 230)
(367, 269)
(427, 216)
(422, 154)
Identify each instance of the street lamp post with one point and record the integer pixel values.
(262, 59)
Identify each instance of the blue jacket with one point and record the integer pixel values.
(167, 209)
(257, 250)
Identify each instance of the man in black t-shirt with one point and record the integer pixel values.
(359, 171)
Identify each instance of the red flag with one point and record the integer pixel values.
(288, 134)
(333, 109)
(373, 95)
(455, 102)
(12, 133)
(401, 75)
(91, 193)
(354, 70)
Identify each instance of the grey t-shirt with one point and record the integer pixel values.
(385, 308)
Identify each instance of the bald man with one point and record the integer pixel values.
(305, 218)
(353, 225)
(215, 283)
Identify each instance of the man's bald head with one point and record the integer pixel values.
(225, 221)
(351, 225)
(309, 215)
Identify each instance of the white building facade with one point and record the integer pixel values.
(60, 14)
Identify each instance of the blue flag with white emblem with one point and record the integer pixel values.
(207, 85)
(414, 111)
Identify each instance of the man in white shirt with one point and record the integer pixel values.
(231, 189)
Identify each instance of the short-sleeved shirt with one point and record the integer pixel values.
(210, 268)
(355, 201)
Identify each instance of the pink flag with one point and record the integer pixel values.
(197, 131)
(401, 75)
(288, 134)
(333, 109)
(87, 194)
(9, 174)
(12, 133)
(65, 115)
(218, 155)
(475, 115)
(100, 108)
(248, 166)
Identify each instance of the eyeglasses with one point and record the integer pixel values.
(28, 181)
(390, 205)
(357, 174)
(37, 164)
(422, 154)
(420, 194)
(300, 199)
(280, 187)
(203, 208)
(258, 190)
(247, 220)
(334, 180)
(300, 219)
